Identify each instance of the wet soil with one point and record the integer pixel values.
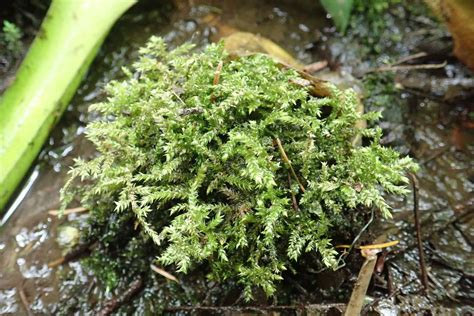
(427, 115)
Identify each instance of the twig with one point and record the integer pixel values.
(113, 304)
(288, 163)
(24, 301)
(71, 255)
(221, 309)
(68, 211)
(356, 301)
(162, 272)
(315, 67)
(354, 241)
(408, 67)
(319, 88)
(371, 219)
(294, 202)
(423, 273)
(409, 57)
(372, 246)
(217, 73)
(217, 76)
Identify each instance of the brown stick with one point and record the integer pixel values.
(409, 57)
(164, 273)
(75, 253)
(68, 211)
(288, 163)
(217, 73)
(356, 301)
(217, 76)
(24, 301)
(408, 67)
(113, 304)
(416, 211)
(315, 67)
(318, 88)
(294, 202)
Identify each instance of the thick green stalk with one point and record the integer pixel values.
(66, 44)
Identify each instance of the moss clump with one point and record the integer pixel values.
(198, 161)
(10, 38)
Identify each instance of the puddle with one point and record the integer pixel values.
(427, 117)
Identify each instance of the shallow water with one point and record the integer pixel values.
(421, 121)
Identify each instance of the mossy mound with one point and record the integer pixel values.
(230, 161)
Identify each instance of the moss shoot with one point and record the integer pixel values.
(227, 161)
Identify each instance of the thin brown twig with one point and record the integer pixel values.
(294, 202)
(217, 73)
(315, 67)
(409, 57)
(24, 301)
(68, 211)
(217, 76)
(416, 211)
(113, 304)
(408, 67)
(288, 163)
(319, 88)
(164, 273)
(75, 253)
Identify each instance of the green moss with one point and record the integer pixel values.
(371, 24)
(193, 159)
(10, 38)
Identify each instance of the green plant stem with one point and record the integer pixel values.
(65, 46)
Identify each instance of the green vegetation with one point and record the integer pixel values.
(370, 24)
(241, 169)
(353, 13)
(340, 12)
(68, 40)
(10, 38)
